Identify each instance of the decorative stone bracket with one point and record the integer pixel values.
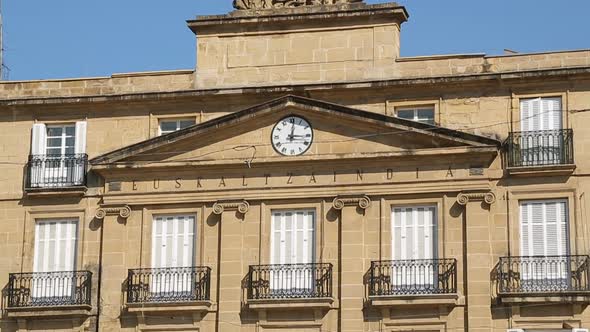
(221, 206)
(488, 197)
(363, 201)
(124, 211)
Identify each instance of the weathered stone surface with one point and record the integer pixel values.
(270, 4)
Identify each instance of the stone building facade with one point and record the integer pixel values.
(305, 177)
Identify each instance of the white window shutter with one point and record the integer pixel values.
(551, 113)
(292, 237)
(414, 233)
(173, 241)
(186, 239)
(81, 137)
(287, 239)
(55, 246)
(536, 122)
(39, 138)
(544, 228)
(157, 239)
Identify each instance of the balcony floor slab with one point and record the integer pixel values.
(417, 300)
(542, 170)
(583, 297)
(312, 303)
(54, 311)
(197, 306)
(57, 191)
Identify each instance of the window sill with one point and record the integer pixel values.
(542, 170)
(56, 311)
(197, 306)
(77, 191)
(566, 297)
(413, 300)
(311, 303)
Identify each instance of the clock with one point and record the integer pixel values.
(292, 136)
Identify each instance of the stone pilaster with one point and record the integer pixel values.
(114, 265)
(352, 259)
(232, 269)
(479, 257)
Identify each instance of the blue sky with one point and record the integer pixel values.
(81, 38)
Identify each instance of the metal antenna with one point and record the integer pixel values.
(3, 68)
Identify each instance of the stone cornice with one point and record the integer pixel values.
(362, 201)
(488, 197)
(295, 88)
(124, 211)
(221, 206)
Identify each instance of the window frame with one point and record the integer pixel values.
(416, 109)
(266, 232)
(273, 259)
(522, 193)
(523, 94)
(565, 202)
(435, 227)
(63, 137)
(150, 214)
(523, 100)
(37, 241)
(175, 216)
(178, 127)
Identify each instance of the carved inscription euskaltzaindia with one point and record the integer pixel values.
(270, 4)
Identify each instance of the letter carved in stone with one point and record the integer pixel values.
(488, 197)
(124, 211)
(363, 201)
(222, 206)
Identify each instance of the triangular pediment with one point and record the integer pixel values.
(338, 132)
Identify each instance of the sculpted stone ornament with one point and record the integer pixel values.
(488, 197)
(270, 4)
(362, 201)
(240, 206)
(124, 211)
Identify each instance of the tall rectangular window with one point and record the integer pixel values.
(173, 238)
(544, 238)
(58, 155)
(544, 228)
(414, 233)
(292, 242)
(55, 251)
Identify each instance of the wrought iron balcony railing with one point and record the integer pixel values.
(51, 289)
(541, 275)
(49, 171)
(169, 285)
(294, 281)
(540, 148)
(413, 277)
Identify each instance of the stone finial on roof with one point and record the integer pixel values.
(270, 4)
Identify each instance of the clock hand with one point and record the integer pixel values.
(292, 130)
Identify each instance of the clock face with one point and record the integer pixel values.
(292, 136)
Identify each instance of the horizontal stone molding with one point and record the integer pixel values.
(488, 197)
(124, 211)
(221, 206)
(362, 201)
